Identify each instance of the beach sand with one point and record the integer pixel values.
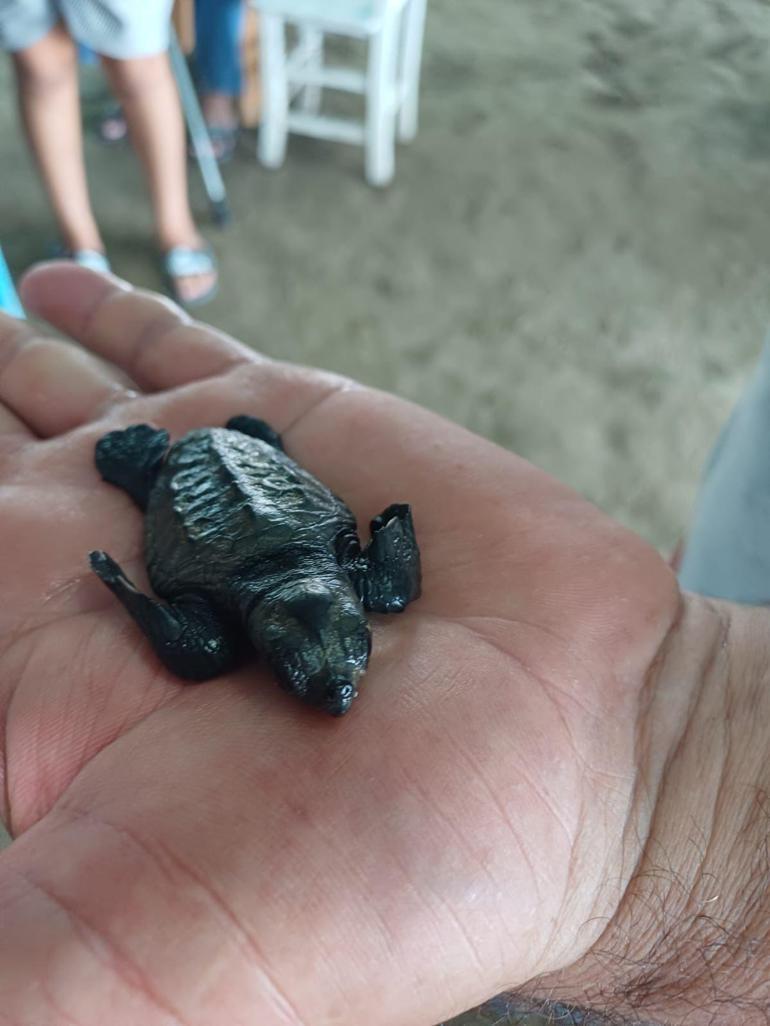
(572, 260)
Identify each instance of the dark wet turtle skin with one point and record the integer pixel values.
(240, 541)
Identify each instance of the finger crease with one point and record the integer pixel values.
(118, 395)
(89, 319)
(150, 336)
(334, 390)
(103, 948)
(148, 340)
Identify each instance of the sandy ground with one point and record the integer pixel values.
(573, 260)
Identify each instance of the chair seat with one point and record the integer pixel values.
(354, 17)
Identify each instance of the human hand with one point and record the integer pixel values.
(217, 854)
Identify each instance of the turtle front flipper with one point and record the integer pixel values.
(131, 459)
(387, 573)
(188, 636)
(255, 428)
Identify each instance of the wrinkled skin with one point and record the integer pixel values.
(218, 855)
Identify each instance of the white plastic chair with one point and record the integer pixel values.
(394, 31)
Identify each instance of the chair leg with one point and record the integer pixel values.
(271, 148)
(381, 102)
(311, 42)
(414, 32)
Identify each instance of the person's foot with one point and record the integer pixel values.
(223, 142)
(93, 259)
(85, 251)
(112, 127)
(191, 271)
(219, 110)
(222, 124)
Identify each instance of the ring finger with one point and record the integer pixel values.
(50, 386)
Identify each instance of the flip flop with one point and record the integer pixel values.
(187, 262)
(93, 259)
(223, 140)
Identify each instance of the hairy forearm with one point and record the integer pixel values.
(519, 1010)
(691, 939)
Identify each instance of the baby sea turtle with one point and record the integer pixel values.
(240, 540)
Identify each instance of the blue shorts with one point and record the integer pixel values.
(113, 28)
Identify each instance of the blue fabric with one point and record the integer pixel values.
(9, 301)
(86, 55)
(113, 28)
(92, 259)
(218, 28)
(727, 554)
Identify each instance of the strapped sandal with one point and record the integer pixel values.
(187, 262)
(93, 259)
(223, 140)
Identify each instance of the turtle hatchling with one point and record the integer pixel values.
(242, 542)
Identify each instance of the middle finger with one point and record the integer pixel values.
(153, 340)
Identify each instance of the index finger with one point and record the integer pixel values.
(149, 337)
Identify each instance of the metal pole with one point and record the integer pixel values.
(199, 136)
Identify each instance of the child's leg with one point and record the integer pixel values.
(218, 32)
(46, 74)
(146, 90)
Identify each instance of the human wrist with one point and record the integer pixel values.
(692, 931)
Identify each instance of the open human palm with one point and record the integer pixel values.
(220, 854)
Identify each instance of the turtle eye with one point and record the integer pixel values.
(310, 607)
(339, 697)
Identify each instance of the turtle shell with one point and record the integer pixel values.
(227, 507)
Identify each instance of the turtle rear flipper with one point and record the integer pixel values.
(131, 459)
(387, 574)
(189, 636)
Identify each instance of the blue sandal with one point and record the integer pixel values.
(223, 141)
(93, 259)
(187, 262)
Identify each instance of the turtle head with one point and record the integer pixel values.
(314, 634)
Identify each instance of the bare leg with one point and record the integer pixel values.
(146, 90)
(222, 123)
(46, 75)
(219, 110)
